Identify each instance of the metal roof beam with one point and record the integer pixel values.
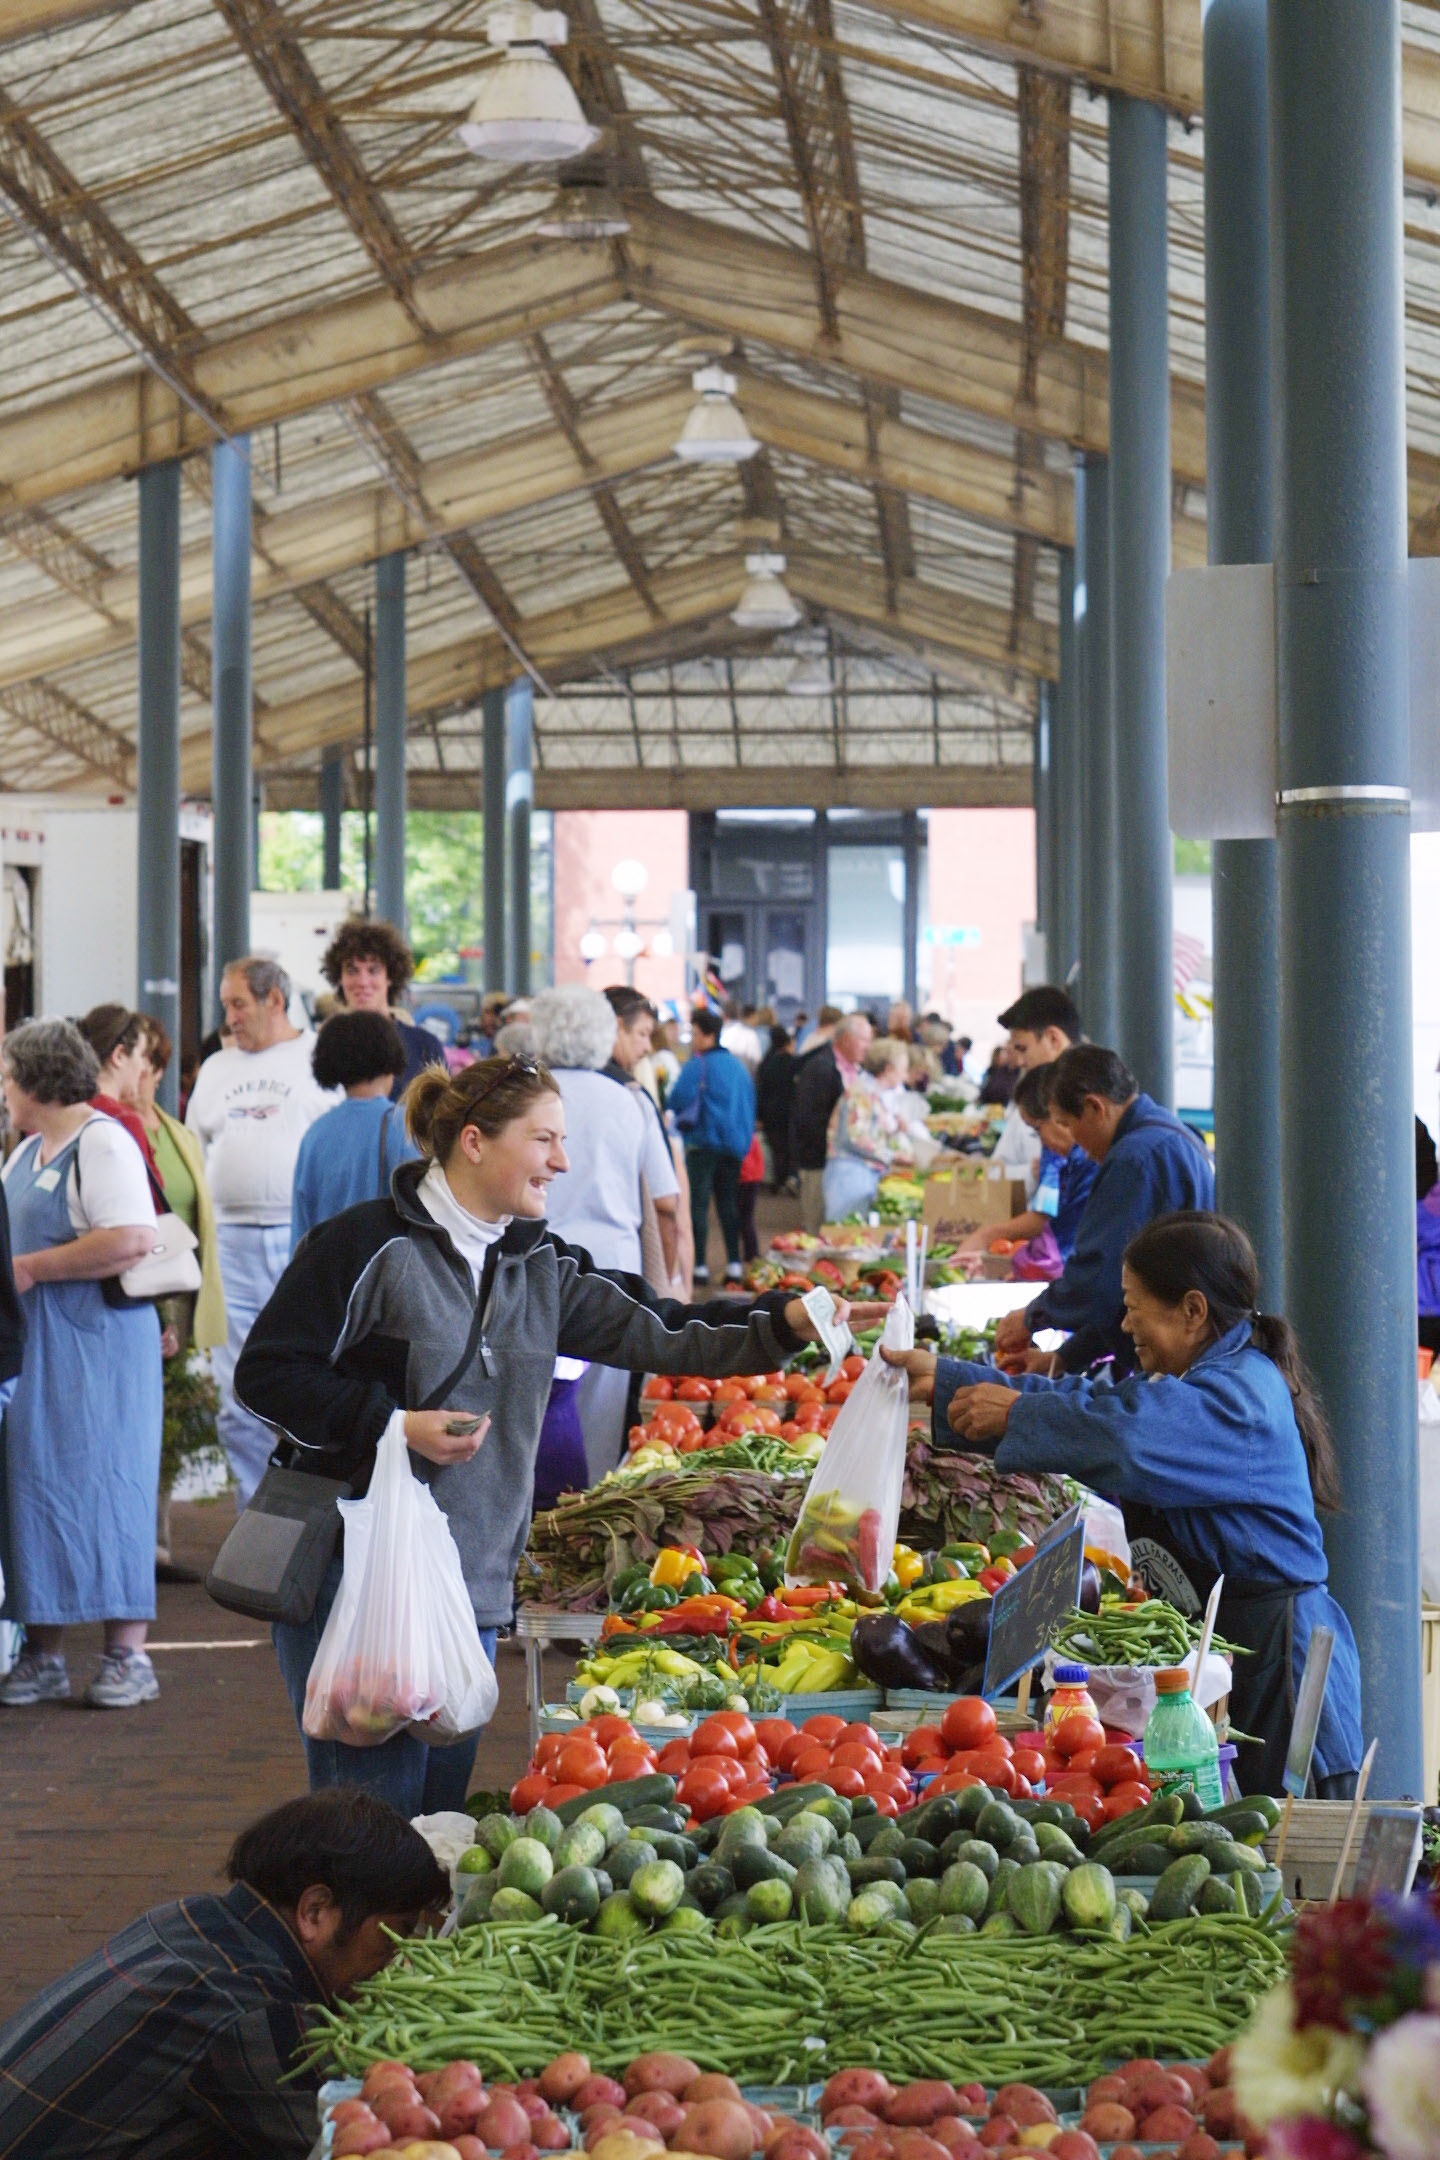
(567, 418)
(1044, 116)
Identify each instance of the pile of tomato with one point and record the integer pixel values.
(786, 1405)
(604, 1751)
(850, 1758)
(1079, 1762)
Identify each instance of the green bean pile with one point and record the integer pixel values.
(1150, 1634)
(790, 2003)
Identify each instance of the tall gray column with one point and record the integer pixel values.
(1044, 821)
(332, 811)
(910, 919)
(492, 781)
(157, 761)
(1344, 771)
(232, 702)
(519, 797)
(1099, 877)
(1244, 883)
(390, 718)
(1139, 566)
(1065, 784)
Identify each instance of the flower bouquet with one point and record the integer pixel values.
(1342, 2061)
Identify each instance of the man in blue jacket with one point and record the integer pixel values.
(1150, 1164)
(713, 1105)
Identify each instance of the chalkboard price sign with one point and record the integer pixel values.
(1027, 1610)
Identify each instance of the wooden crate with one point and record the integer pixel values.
(1312, 1848)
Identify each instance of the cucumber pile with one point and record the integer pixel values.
(624, 1863)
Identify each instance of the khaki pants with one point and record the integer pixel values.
(812, 1200)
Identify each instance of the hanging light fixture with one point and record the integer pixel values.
(525, 111)
(810, 676)
(584, 210)
(766, 603)
(715, 432)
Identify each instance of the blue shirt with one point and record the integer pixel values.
(1061, 1191)
(1219, 1454)
(726, 1096)
(1155, 1165)
(339, 1161)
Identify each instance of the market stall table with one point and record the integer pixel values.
(536, 1628)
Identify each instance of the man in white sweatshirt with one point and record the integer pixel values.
(250, 1108)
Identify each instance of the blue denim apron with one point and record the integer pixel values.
(80, 1445)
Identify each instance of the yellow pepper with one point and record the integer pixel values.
(908, 1566)
(940, 1597)
(675, 1565)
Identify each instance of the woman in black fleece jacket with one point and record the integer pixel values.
(450, 1299)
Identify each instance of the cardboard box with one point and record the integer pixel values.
(969, 1199)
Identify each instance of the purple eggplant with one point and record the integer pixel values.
(1090, 1587)
(886, 1651)
(967, 1629)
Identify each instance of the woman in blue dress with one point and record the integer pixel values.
(1220, 1456)
(80, 1446)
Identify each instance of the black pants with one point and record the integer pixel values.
(782, 1160)
(749, 1237)
(713, 1171)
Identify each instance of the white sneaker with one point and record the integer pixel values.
(124, 1678)
(701, 1275)
(734, 1273)
(36, 1676)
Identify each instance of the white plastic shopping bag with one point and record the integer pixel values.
(400, 1651)
(847, 1524)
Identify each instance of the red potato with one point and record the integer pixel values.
(605, 2120)
(1220, 2113)
(919, 2102)
(561, 2079)
(526, 2151)
(460, 2110)
(851, 2118)
(598, 2110)
(1073, 2145)
(794, 2142)
(722, 2128)
(1108, 2122)
(760, 2122)
(711, 2085)
(360, 2137)
(1161, 2089)
(1126, 2152)
(549, 2134)
(406, 2119)
(596, 2089)
(1138, 2068)
(660, 2109)
(1196, 2078)
(971, 2100)
(955, 2134)
(381, 2074)
(502, 2123)
(470, 2148)
(660, 2073)
(1218, 2067)
(345, 2111)
(917, 2145)
(1106, 2088)
(1000, 2130)
(876, 2145)
(1167, 2126)
(854, 2088)
(535, 2107)
(1024, 2105)
(1198, 2146)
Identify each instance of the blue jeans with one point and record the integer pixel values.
(416, 1779)
(253, 1257)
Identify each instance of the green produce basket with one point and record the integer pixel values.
(1269, 1879)
(561, 1718)
(856, 1705)
(926, 1706)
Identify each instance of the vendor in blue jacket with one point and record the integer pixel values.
(1149, 1165)
(1219, 1454)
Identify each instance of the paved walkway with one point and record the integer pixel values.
(106, 1812)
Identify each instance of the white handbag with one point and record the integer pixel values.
(169, 1267)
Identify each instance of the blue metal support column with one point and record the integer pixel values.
(1336, 238)
(1065, 785)
(910, 916)
(1099, 877)
(157, 761)
(1238, 492)
(519, 796)
(232, 702)
(1139, 565)
(492, 781)
(332, 810)
(1042, 804)
(391, 713)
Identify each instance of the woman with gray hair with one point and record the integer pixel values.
(617, 1153)
(80, 1446)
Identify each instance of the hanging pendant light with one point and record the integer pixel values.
(525, 111)
(584, 210)
(715, 432)
(810, 676)
(766, 603)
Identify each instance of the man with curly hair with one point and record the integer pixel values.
(370, 964)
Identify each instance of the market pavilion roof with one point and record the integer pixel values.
(256, 216)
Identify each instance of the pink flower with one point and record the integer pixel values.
(1401, 2081)
(1308, 2137)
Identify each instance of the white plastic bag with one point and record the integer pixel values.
(400, 1651)
(847, 1523)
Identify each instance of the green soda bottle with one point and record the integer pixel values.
(1180, 1743)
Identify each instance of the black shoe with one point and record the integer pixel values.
(169, 1571)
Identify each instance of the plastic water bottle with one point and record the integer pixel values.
(1180, 1742)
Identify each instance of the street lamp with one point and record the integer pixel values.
(629, 878)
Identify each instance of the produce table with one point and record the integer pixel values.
(976, 1304)
(537, 1627)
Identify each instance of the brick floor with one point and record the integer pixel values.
(106, 1812)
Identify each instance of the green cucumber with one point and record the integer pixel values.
(710, 1885)
(656, 1790)
(964, 1889)
(753, 1863)
(1216, 1896)
(876, 1867)
(1198, 1837)
(1179, 1886)
(867, 1829)
(657, 1816)
(1034, 1895)
(1088, 1896)
(919, 1858)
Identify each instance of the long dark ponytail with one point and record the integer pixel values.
(1195, 1250)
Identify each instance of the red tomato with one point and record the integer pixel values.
(926, 1740)
(795, 1385)
(1113, 1806)
(580, 1762)
(852, 1367)
(824, 1728)
(790, 1751)
(747, 1795)
(1024, 1790)
(1115, 1765)
(712, 1737)
(528, 1792)
(808, 1417)
(952, 1780)
(1088, 1809)
(865, 1735)
(884, 1805)
(812, 1764)
(704, 1789)
(932, 1766)
(1075, 1783)
(627, 1763)
(730, 1391)
(605, 1731)
(1076, 1733)
(549, 1747)
(968, 1723)
(1133, 1793)
(693, 1389)
(734, 1771)
(897, 1787)
(772, 1733)
(851, 1755)
(659, 1388)
(740, 1725)
(673, 1757)
(848, 1783)
(838, 1391)
(1084, 1762)
(559, 1794)
(1029, 1763)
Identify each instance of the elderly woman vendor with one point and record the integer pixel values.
(1220, 1456)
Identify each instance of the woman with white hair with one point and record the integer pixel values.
(614, 1145)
